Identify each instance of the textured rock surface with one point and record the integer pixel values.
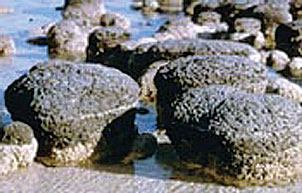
(178, 29)
(102, 39)
(71, 106)
(207, 17)
(84, 9)
(18, 147)
(283, 87)
(147, 88)
(250, 25)
(171, 5)
(7, 46)
(115, 20)
(295, 67)
(246, 138)
(68, 40)
(136, 59)
(195, 71)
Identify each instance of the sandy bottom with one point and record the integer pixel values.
(38, 178)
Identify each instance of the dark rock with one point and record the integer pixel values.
(196, 71)
(245, 139)
(69, 106)
(102, 39)
(144, 146)
(288, 38)
(136, 59)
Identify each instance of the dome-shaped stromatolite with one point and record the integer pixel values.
(245, 139)
(194, 71)
(71, 106)
(18, 147)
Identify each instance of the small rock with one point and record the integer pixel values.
(247, 25)
(256, 39)
(144, 146)
(18, 147)
(171, 5)
(278, 60)
(207, 17)
(283, 87)
(295, 67)
(115, 20)
(7, 46)
(85, 10)
(4, 10)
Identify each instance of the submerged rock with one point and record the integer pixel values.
(18, 147)
(75, 110)
(244, 139)
(144, 146)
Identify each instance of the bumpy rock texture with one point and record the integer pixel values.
(177, 28)
(136, 59)
(195, 71)
(72, 107)
(84, 9)
(283, 87)
(18, 147)
(68, 39)
(245, 139)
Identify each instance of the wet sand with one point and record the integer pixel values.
(38, 178)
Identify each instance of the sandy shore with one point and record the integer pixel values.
(38, 178)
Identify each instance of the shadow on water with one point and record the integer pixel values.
(164, 164)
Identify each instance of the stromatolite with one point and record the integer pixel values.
(72, 107)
